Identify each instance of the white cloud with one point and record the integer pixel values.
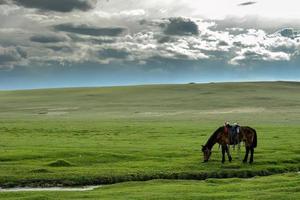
(257, 54)
(255, 46)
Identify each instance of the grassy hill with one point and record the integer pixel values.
(77, 136)
(271, 102)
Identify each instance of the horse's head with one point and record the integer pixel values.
(206, 153)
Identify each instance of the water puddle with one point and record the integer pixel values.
(66, 189)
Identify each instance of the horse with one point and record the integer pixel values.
(221, 136)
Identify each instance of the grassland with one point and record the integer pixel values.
(106, 135)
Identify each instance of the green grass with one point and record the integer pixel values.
(278, 187)
(115, 134)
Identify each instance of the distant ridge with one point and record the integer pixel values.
(154, 84)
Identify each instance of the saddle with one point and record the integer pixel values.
(233, 131)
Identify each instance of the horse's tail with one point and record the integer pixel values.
(254, 142)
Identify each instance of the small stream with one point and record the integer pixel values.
(51, 189)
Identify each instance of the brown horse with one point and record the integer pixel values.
(222, 137)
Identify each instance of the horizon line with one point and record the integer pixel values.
(149, 84)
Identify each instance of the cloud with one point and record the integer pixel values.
(248, 3)
(72, 38)
(165, 39)
(10, 56)
(257, 46)
(181, 26)
(222, 43)
(48, 38)
(84, 29)
(269, 25)
(289, 33)
(4, 2)
(113, 53)
(252, 55)
(95, 40)
(57, 5)
(145, 46)
(63, 48)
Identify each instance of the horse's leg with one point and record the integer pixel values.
(223, 153)
(246, 155)
(251, 156)
(228, 154)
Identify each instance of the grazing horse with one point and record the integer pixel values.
(221, 136)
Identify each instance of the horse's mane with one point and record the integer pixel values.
(210, 142)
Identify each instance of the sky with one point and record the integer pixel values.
(81, 43)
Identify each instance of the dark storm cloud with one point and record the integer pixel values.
(84, 29)
(181, 26)
(48, 38)
(248, 3)
(56, 5)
